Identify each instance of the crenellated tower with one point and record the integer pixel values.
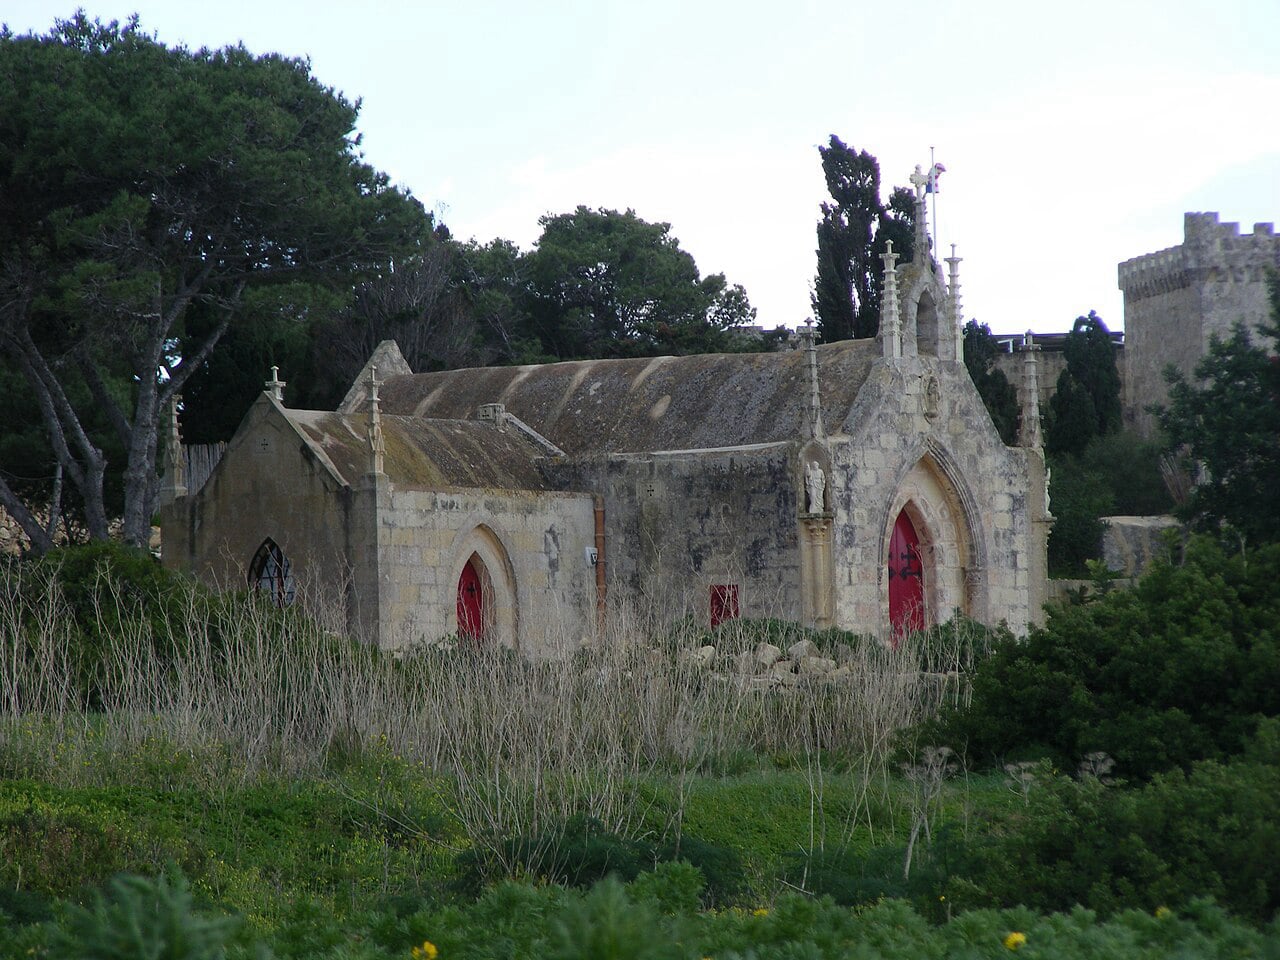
(1176, 300)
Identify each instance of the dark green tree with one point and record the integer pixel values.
(1091, 358)
(1073, 420)
(609, 284)
(1086, 403)
(1228, 423)
(150, 199)
(852, 235)
(998, 394)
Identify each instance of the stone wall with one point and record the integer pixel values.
(682, 522)
(1052, 361)
(15, 543)
(1130, 544)
(1175, 300)
(540, 585)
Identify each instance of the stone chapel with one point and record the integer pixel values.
(858, 484)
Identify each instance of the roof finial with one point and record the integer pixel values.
(275, 386)
(1029, 427)
(890, 323)
(377, 443)
(953, 293)
(807, 340)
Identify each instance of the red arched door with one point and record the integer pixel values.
(906, 578)
(470, 602)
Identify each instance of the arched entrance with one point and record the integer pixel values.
(471, 600)
(906, 578)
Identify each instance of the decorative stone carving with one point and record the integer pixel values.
(932, 398)
(815, 482)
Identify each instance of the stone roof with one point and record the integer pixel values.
(424, 453)
(665, 403)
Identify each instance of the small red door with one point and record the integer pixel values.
(470, 603)
(906, 578)
(724, 603)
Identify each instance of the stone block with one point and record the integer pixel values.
(782, 668)
(801, 649)
(766, 655)
(816, 665)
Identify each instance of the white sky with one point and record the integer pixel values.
(1075, 135)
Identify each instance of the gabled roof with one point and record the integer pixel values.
(423, 453)
(665, 403)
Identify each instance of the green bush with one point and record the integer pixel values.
(1079, 499)
(142, 918)
(583, 851)
(1176, 670)
(59, 849)
(1210, 833)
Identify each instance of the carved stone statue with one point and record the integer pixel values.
(815, 482)
(932, 398)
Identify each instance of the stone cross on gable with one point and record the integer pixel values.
(920, 180)
(275, 385)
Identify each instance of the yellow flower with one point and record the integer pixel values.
(427, 951)
(1162, 912)
(1014, 940)
(760, 912)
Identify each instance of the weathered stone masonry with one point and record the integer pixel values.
(476, 502)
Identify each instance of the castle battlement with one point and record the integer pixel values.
(1211, 252)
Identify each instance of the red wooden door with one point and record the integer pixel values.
(470, 603)
(906, 578)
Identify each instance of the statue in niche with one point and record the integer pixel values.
(1048, 479)
(815, 482)
(932, 398)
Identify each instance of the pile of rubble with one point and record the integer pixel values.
(768, 666)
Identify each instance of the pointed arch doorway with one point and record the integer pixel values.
(906, 578)
(471, 600)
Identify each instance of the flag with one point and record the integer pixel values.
(935, 172)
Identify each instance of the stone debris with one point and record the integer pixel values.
(801, 649)
(766, 655)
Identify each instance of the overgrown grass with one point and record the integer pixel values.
(344, 801)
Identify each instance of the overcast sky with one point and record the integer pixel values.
(1075, 135)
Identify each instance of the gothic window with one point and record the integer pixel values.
(724, 603)
(272, 573)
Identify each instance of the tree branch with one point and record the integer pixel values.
(41, 542)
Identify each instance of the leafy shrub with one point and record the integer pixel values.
(1212, 832)
(582, 852)
(56, 851)
(1176, 670)
(1080, 498)
(141, 918)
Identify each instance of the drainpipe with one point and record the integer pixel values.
(600, 585)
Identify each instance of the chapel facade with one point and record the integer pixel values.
(858, 484)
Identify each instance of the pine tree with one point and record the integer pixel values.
(852, 235)
(998, 394)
